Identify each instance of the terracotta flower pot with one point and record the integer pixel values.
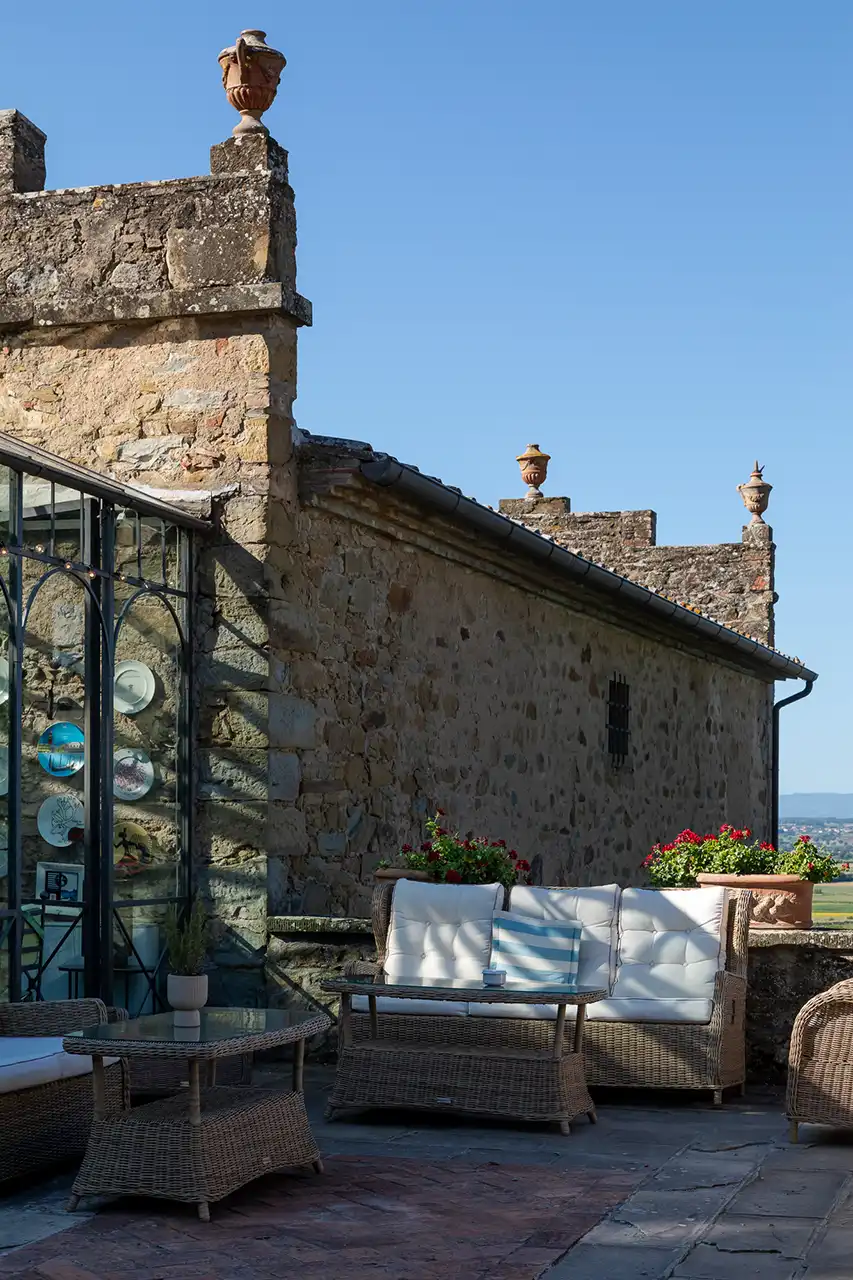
(778, 902)
(187, 994)
(400, 873)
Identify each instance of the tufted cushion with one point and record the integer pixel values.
(670, 952)
(441, 930)
(596, 909)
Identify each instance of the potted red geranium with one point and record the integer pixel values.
(449, 858)
(781, 880)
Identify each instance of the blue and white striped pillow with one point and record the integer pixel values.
(545, 952)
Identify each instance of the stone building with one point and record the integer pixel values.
(369, 643)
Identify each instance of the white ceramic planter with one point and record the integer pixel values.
(187, 994)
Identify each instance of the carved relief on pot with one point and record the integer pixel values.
(250, 76)
(755, 494)
(534, 469)
(781, 910)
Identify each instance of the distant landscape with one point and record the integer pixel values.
(828, 818)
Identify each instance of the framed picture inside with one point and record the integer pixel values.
(59, 885)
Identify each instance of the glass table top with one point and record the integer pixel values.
(216, 1026)
(479, 988)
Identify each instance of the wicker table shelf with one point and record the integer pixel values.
(434, 1073)
(201, 1146)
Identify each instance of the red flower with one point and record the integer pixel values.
(806, 839)
(765, 844)
(727, 826)
(746, 833)
(811, 866)
(426, 846)
(407, 848)
(522, 865)
(513, 853)
(452, 876)
(845, 866)
(440, 831)
(433, 856)
(439, 813)
(501, 844)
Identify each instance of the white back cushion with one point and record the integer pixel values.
(28, 1061)
(595, 909)
(441, 930)
(670, 943)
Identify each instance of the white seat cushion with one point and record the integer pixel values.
(441, 930)
(27, 1061)
(596, 909)
(391, 1004)
(670, 951)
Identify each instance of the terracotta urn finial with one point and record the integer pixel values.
(534, 469)
(250, 75)
(755, 494)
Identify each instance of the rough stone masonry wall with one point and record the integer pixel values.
(150, 331)
(732, 582)
(429, 669)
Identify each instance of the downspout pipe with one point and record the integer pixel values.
(777, 707)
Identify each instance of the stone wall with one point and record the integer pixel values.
(428, 668)
(731, 582)
(149, 330)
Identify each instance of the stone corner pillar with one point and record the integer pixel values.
(22, 166)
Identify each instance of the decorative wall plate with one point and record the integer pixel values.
(4, 680)
(133, 848)
(58, 817)
(133, 774)
(60, 749)
(134, 687)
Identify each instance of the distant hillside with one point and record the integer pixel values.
(816, 804)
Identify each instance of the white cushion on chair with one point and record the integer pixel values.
(27, 1061)
(596, 909)
(441, 930)
(671, 948)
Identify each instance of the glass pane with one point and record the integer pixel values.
(148, 678)
(52, 729)
(138, 954)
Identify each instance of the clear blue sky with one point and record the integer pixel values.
(621, 229)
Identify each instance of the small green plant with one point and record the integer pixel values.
(451, 859)
(730, 852)
(187, 940)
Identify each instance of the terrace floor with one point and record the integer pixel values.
(661, 1187)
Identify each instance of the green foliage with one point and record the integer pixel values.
(187, 940)
(451, 859)
(731, 853)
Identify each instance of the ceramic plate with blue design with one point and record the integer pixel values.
(60, 749)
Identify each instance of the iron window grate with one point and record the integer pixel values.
(618, 720)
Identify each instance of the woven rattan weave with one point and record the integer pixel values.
(446, 1070)
(820, 1061)
(50, 1122)
(203, 1145)
(650, 1055)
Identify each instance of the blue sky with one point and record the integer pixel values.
(619, 229)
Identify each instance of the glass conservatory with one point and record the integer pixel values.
(95, 730)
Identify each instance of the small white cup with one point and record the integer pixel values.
(494, 977)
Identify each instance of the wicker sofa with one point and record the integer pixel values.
(678, 1031)
(820, 1061)
(45, 1093)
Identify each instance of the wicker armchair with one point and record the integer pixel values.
(47, 1123)
(648, 1055)
(820, 1061)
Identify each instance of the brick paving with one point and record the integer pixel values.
(662, 1188)
(363, 1218)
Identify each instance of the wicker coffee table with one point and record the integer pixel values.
(447, 1070)
(201, 1146)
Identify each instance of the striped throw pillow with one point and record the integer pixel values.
(539, 951)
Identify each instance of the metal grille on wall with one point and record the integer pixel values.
(96, 583)
(618, 720)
